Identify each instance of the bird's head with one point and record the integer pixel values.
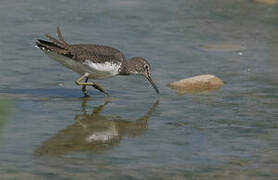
(139, 65)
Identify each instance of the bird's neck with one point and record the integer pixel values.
(127, 67)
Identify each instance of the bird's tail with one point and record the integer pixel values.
(59, 46)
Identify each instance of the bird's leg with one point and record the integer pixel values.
(79, 83)
(84, 88)
(84, 84)
(100, 88)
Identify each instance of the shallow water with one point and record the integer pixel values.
(226, 134)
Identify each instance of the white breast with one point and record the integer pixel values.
(95, 70)
(108, 67)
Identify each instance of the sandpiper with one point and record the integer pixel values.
(93, 61)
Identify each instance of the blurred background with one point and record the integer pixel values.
(48, 131)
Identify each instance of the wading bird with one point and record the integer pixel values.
(93, 61)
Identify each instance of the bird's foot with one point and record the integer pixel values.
(86, 95)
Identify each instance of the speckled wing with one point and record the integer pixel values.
(81, 52)
(95, 53)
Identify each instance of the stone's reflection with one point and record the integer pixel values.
(94, 132)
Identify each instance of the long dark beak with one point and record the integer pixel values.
(148, 76)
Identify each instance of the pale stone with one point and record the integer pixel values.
(199, 83)
(267, 2)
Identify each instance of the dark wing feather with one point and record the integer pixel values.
(59, 34)
(50, 46)
(57, 46)
(80, 52)
(95, 53)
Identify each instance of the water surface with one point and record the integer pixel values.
(226, 134)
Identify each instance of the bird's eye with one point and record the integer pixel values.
(146, 67)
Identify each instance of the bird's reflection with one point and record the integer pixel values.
(94, 132)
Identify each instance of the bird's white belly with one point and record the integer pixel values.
(95, 70)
